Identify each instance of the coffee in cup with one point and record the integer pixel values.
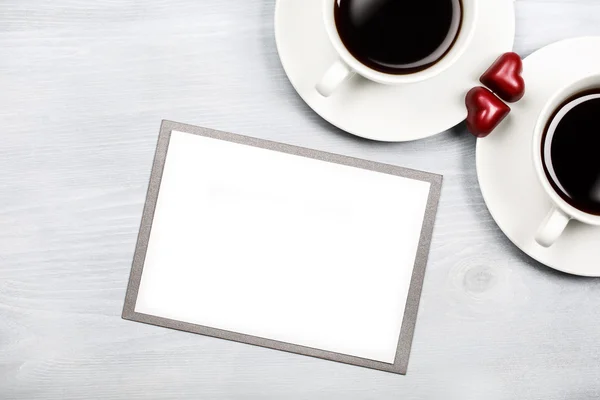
(398, 36)
(566, 145)
(571, 151)
(395, 42)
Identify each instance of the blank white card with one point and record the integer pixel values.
(292, 249)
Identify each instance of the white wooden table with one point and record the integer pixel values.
(83, 88)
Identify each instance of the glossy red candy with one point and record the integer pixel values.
(505, 78)
(486, 111)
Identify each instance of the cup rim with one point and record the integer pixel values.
(465, 37)
(550, 108)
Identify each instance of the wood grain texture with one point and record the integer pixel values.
(83, 88)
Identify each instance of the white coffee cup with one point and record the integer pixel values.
(562, 212)
(347, 65)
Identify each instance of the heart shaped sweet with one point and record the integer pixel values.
(486, 111)
(504, 77)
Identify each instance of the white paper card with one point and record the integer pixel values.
(282, 247)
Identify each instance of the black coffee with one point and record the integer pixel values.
(571, 154)
(398, 36)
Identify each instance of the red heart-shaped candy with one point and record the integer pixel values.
(504, 77)
(486, 111)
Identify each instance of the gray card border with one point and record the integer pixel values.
(400, 364)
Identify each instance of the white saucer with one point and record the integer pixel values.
(380, 112)
(507, 177)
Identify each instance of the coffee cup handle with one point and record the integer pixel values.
(337, 74)
(552, 228)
